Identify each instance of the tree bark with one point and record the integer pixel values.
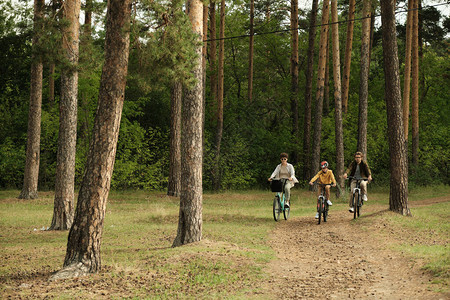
(294, 78)
(213, 59)
(190, 215)
(88, 17)
(364, 78)
(326, 93)
(398, 197)
(220, 95)
(68, 108)
(204, 59)
(51, 76)
(339, 130)
(415, 86)
(348, 56)
(51, 84)
(31, 173)
(320, 86)
(83, 246)
(250, 52)
(174, 186)
(307, 172)
(407, 75)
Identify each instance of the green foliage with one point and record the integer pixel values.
(142, 157)
(254, 132)
(12, 159)
(164, 48)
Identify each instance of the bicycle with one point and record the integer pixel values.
(322, 204)
(357, 201)
(279, 202)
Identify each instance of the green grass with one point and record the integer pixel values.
(426, 238)
(139, 228)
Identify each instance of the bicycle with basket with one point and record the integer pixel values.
(279, 202)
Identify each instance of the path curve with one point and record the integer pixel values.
(318, 261)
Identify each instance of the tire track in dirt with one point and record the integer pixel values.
(341, 259)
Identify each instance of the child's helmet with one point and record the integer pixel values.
(324, 164)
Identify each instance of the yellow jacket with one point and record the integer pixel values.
(324, 178)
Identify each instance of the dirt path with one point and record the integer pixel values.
(342, 259)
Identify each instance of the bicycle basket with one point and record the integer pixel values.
(276, 185)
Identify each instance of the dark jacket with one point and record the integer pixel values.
(363, 168)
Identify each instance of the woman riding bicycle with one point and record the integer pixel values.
(325, 176)
(286, 171)
(358, 169)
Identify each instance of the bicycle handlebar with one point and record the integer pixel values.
(322, 184)
(360, 179)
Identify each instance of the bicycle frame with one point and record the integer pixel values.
(279, 204)
(356, 193)
(322, 205)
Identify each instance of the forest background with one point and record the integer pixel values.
(254, 132)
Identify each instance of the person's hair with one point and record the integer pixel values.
(284, 155)
(359, 153)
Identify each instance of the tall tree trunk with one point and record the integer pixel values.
(86, 49)
(415, 86)
(307, 172)
(339, 131)
(31, 173)
(320, 85)
(174, 185)
(213, 59)
(220, 91)
(250, 52)
(398, 197)
(68, 108)
(348, 56)
(364, 78)
(204, 59)
(51, 77)
(88, 18)
(51, 84)
(422, 87)
(83, 246)
(326, 93)
(407, 75)
(294, 78)
(190, 215)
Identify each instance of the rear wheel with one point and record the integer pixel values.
(276, 208)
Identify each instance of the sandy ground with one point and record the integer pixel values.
(344, 259)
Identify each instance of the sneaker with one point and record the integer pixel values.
(329, 202)
(286, 205)
(317, 215)
(364, 197)
(351, 209)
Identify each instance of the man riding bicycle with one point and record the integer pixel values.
(325, 176)
(358, 169)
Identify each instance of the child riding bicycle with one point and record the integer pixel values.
(285, 170)
(325, 176)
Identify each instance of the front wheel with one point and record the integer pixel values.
(325, 212)
(286, 211)
(358, 207)
(276, 208)
(319, 210)
(355, 205)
